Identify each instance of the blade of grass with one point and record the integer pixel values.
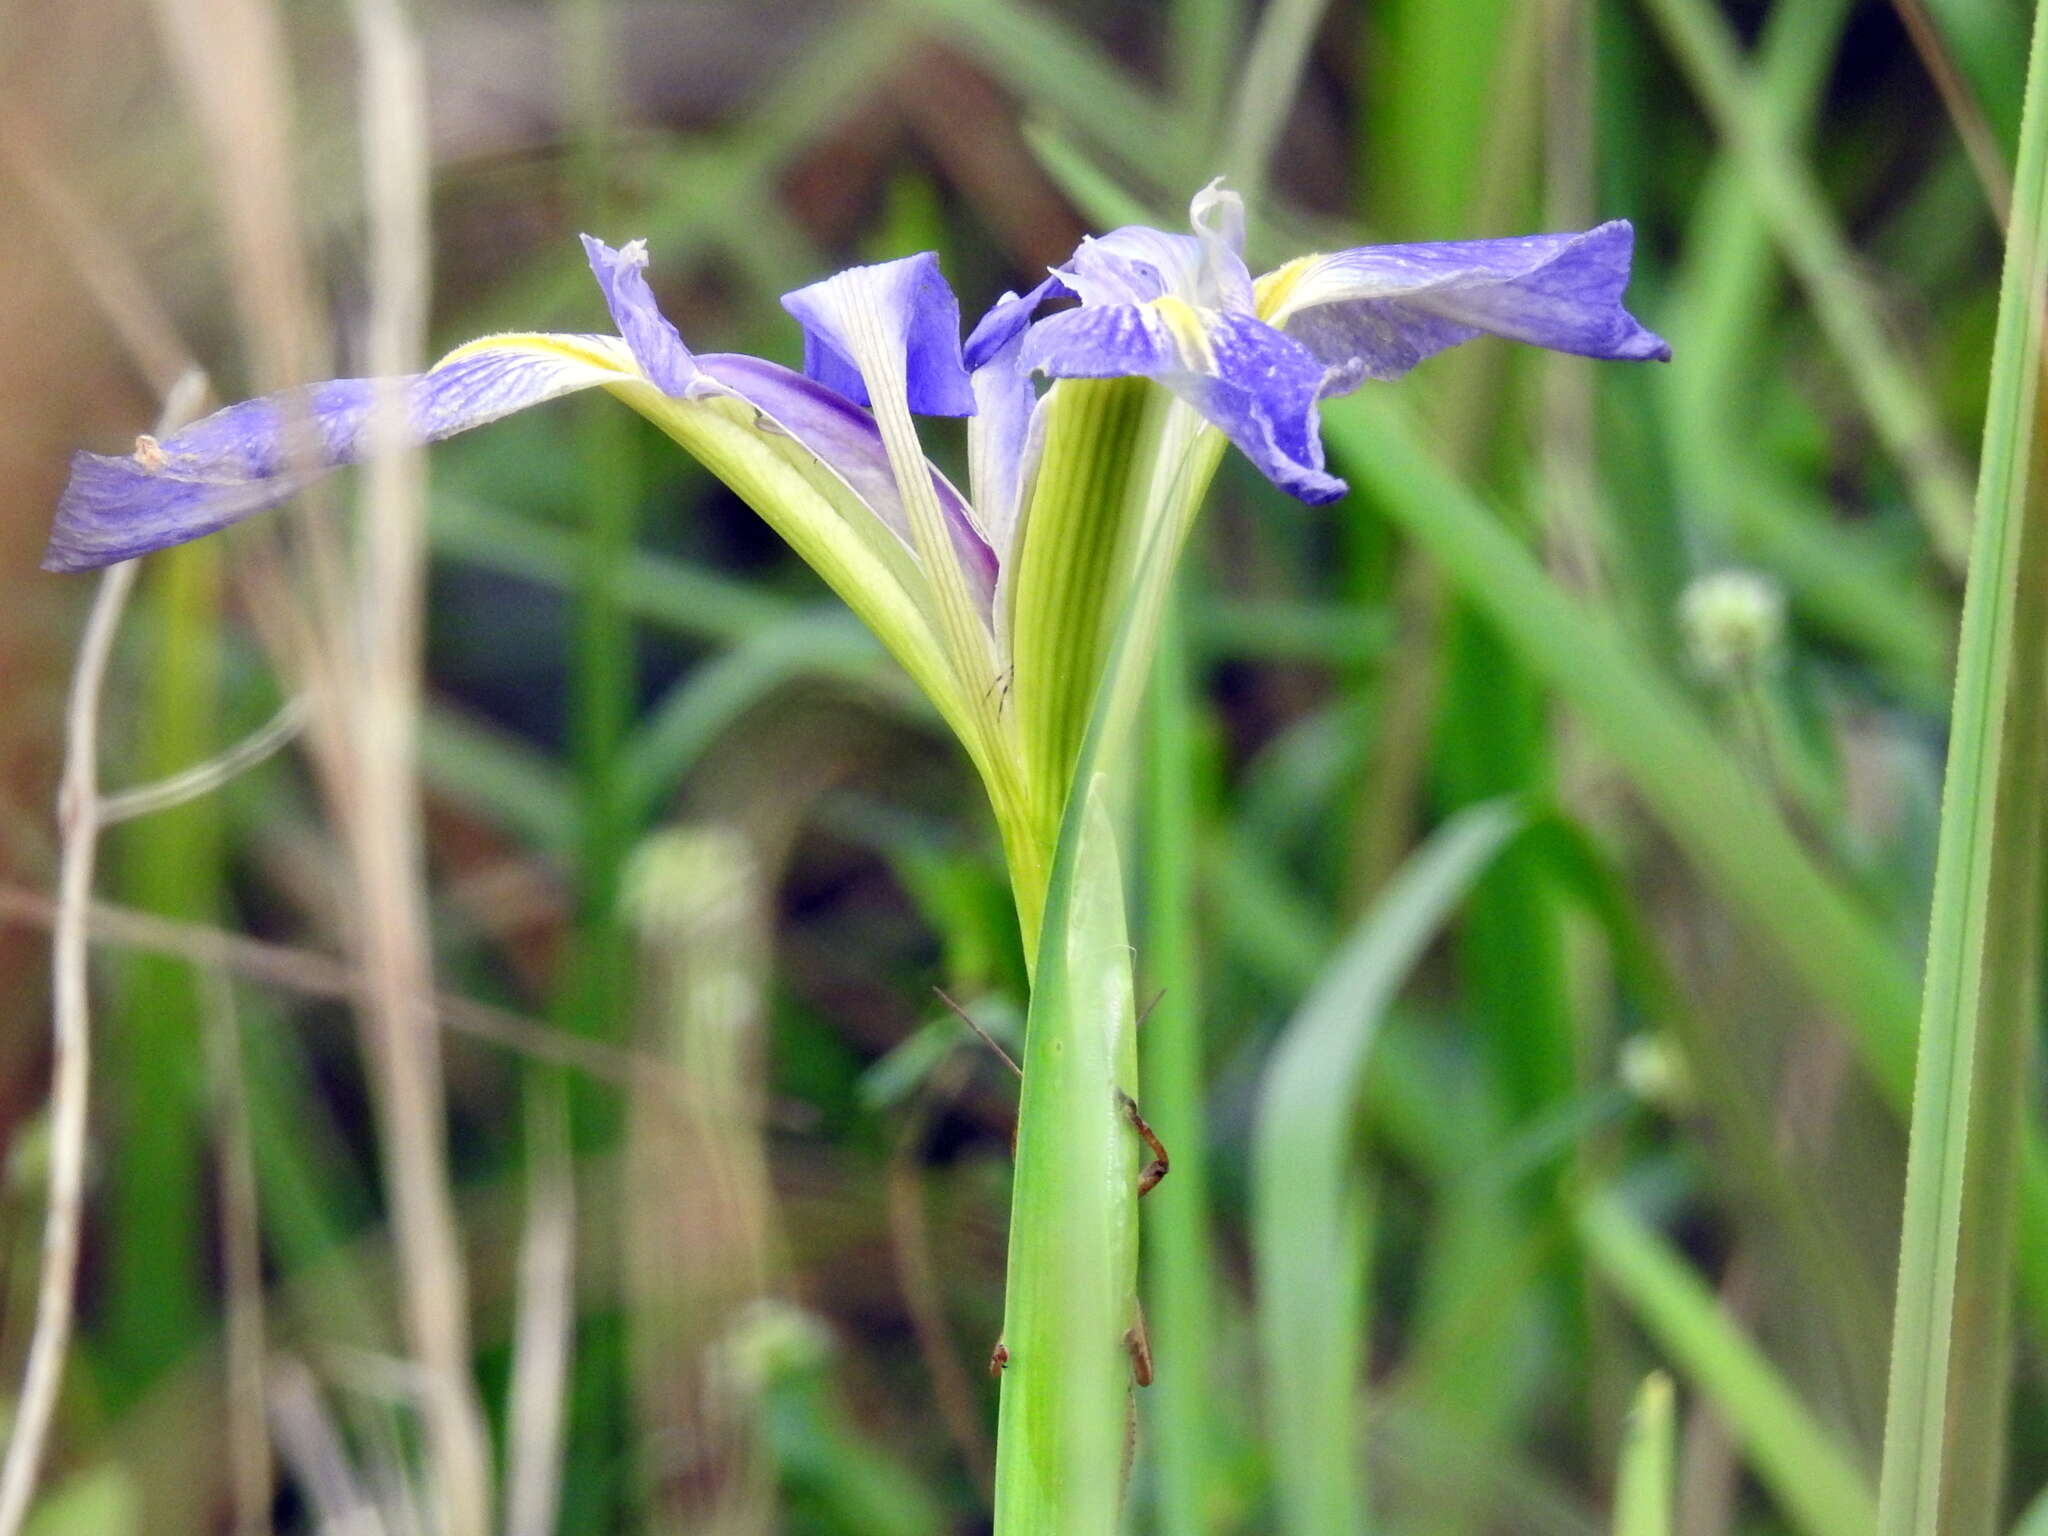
(1265, 93)
(1180, 1271)
(1811, 239)
(156, 1298)
(1945, 1423)
(1812, 1478)
(1309, 1234)
(1202, 42)
(1642, 1486)
(1738, 841)
(1049, 64)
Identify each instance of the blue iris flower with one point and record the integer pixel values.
(881, 344)
(1256, 357)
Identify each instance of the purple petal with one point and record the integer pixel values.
(1000, 429)
(254, 455)
(903, 303)
(1261, 390)
(1006, 319)
(657, 345)
(1102, 341)
(1258, 386)
(1375, 312)
(1136, 264)
(846, 439)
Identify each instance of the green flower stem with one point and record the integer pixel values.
(1071, 1301)
(1071, 1325)
(1945, 1422)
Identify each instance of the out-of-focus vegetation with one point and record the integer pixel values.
(1535, 848)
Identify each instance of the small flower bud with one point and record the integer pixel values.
(1655, 1074)
(1733, 622)
(772, 1341)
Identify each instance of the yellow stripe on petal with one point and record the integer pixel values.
(1189, 333)
(1273, 293)
(608, 354)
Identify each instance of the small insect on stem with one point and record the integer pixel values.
(1150, 1175)
(1141, 1353)
(1154, 1171)
(998, 1358)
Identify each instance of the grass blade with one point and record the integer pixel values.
(1180, 1268)
(1308, 1231)
(1642, 1491)
(1790, 200)
(1807, 1472)
(1950, 1365)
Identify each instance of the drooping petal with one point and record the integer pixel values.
(259, 453)
(1377, 311)
(902, 305)
(657, 345)
(1259, 386)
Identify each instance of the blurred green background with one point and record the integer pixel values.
(1624, 1094)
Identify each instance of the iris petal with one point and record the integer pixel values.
(657, 345)
(998, 431)
(1007, 318)
(1259, 386)
(1377, 311)
(904, 304)
(254, 455)
(1102, 341)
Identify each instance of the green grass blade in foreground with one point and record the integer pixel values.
(1812, 1477)
(1642, 1484)
(1949, 1346)
(1308, 1228)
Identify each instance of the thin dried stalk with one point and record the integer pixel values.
(316, 975)
(251, 1477)
(546, 1322)
(204, 778)
(78, 818)
(384, 833)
